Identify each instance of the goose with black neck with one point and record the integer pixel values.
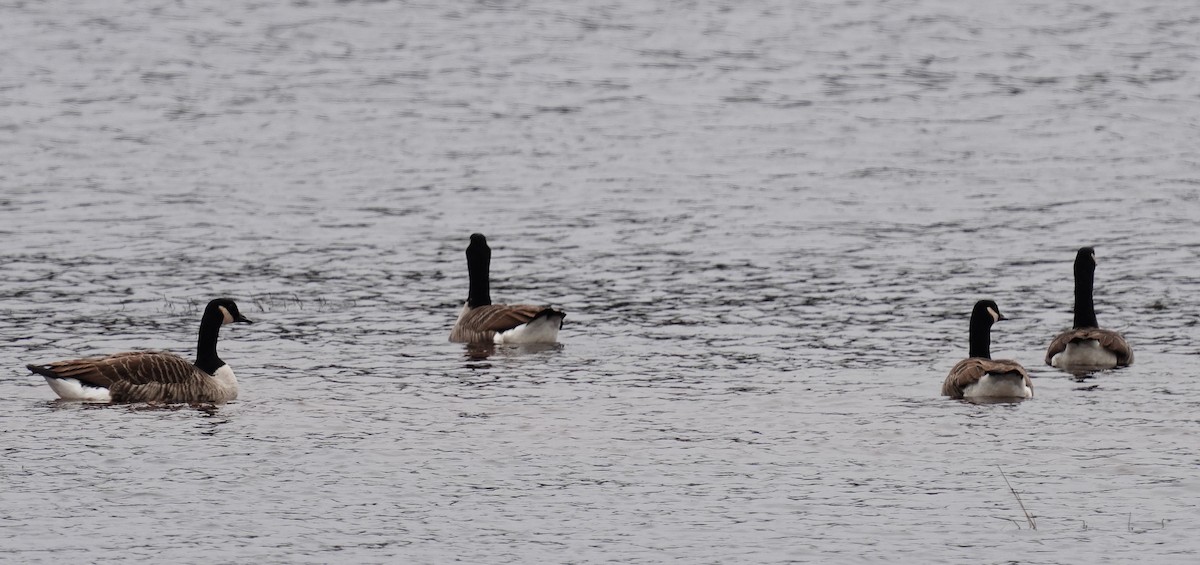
(152, 376)
(979, 377)
(1087, 346)
(480, 321)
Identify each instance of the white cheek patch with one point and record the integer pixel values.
(995, 315)
(228, 317)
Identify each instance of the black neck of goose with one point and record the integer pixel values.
(206, 348)
(1085, 310)
(479, 257)
(981, 334)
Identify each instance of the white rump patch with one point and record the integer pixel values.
(1086, 354)
(541, 330)
(999, 386)
(72, 389)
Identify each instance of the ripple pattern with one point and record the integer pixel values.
(766, 220)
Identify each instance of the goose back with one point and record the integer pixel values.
(483, 323)
(1107, 339)
(972, 370)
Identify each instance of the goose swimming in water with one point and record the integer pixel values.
(152, 376)
(979, 376)
(483, 322)
(1086, 346)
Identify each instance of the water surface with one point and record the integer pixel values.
(767, 222)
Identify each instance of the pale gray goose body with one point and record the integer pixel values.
(1086, 346)
(979, 376)
(480, 321)
(152, 376)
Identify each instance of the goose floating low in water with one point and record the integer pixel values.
(483, 322)
(151, 376)
(981, 377)
(1086, 346)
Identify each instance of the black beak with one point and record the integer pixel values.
(1001, 317)
(242, 319)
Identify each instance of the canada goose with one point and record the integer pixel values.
(980, 376)
(1085, 345)
(482, 321)
(152, 376)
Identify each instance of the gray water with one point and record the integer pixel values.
(767, 222)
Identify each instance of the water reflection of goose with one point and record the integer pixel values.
(150, 376)
(1087, 346)
(979, 376)
(482, 321)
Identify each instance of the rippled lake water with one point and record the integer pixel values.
(766, 220)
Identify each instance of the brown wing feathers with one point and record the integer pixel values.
(484, 322)
(963, 374)
(500, 317)
(132, 368)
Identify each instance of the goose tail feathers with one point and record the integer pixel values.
(551, 315)
(543, 328)
(43, 370)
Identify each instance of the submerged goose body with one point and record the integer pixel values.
(152, 376)
(981, 377)
(480, 321)
(1086, 346)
